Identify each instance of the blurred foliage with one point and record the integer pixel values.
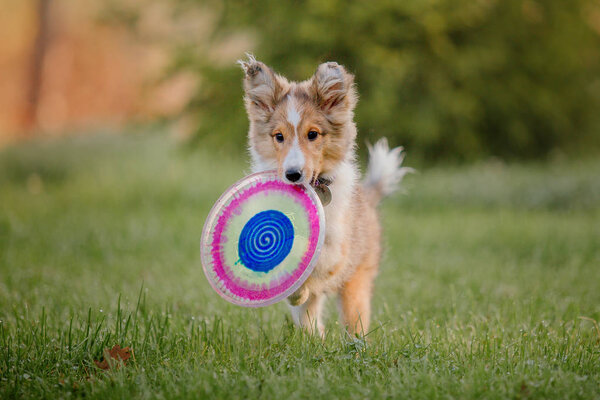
(453, 79)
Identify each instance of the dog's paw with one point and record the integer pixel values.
(299, 297)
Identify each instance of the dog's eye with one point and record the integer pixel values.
(279, 137)
(312, 135)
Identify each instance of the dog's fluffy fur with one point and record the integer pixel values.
(284, 117)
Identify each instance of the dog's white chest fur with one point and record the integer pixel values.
(336, 227)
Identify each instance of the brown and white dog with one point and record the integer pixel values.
(306, 131)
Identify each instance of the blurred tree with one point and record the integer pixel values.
(458, 79)
(38, 54)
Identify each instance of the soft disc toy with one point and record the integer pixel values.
(261, 239)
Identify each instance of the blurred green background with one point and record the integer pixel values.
(453, 79)
(448, 79)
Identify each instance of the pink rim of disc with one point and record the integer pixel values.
(223, 274)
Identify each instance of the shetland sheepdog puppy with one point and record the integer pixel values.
(306, 131)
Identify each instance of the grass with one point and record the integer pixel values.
(489, 287)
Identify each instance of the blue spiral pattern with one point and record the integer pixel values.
(266, 240)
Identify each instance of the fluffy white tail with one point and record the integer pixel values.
(384, 172)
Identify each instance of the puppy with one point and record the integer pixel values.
(306, 131)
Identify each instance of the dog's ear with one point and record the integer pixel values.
(263, 88)
(333, 89)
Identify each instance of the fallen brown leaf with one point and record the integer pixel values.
(118, 354)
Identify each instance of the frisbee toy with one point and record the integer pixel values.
(261, 239)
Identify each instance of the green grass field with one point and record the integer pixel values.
(489, 287)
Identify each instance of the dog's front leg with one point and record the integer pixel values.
(299, 297)
(308, 314)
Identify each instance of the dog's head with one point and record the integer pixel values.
(302, 129)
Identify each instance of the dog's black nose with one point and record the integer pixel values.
(293, 175)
